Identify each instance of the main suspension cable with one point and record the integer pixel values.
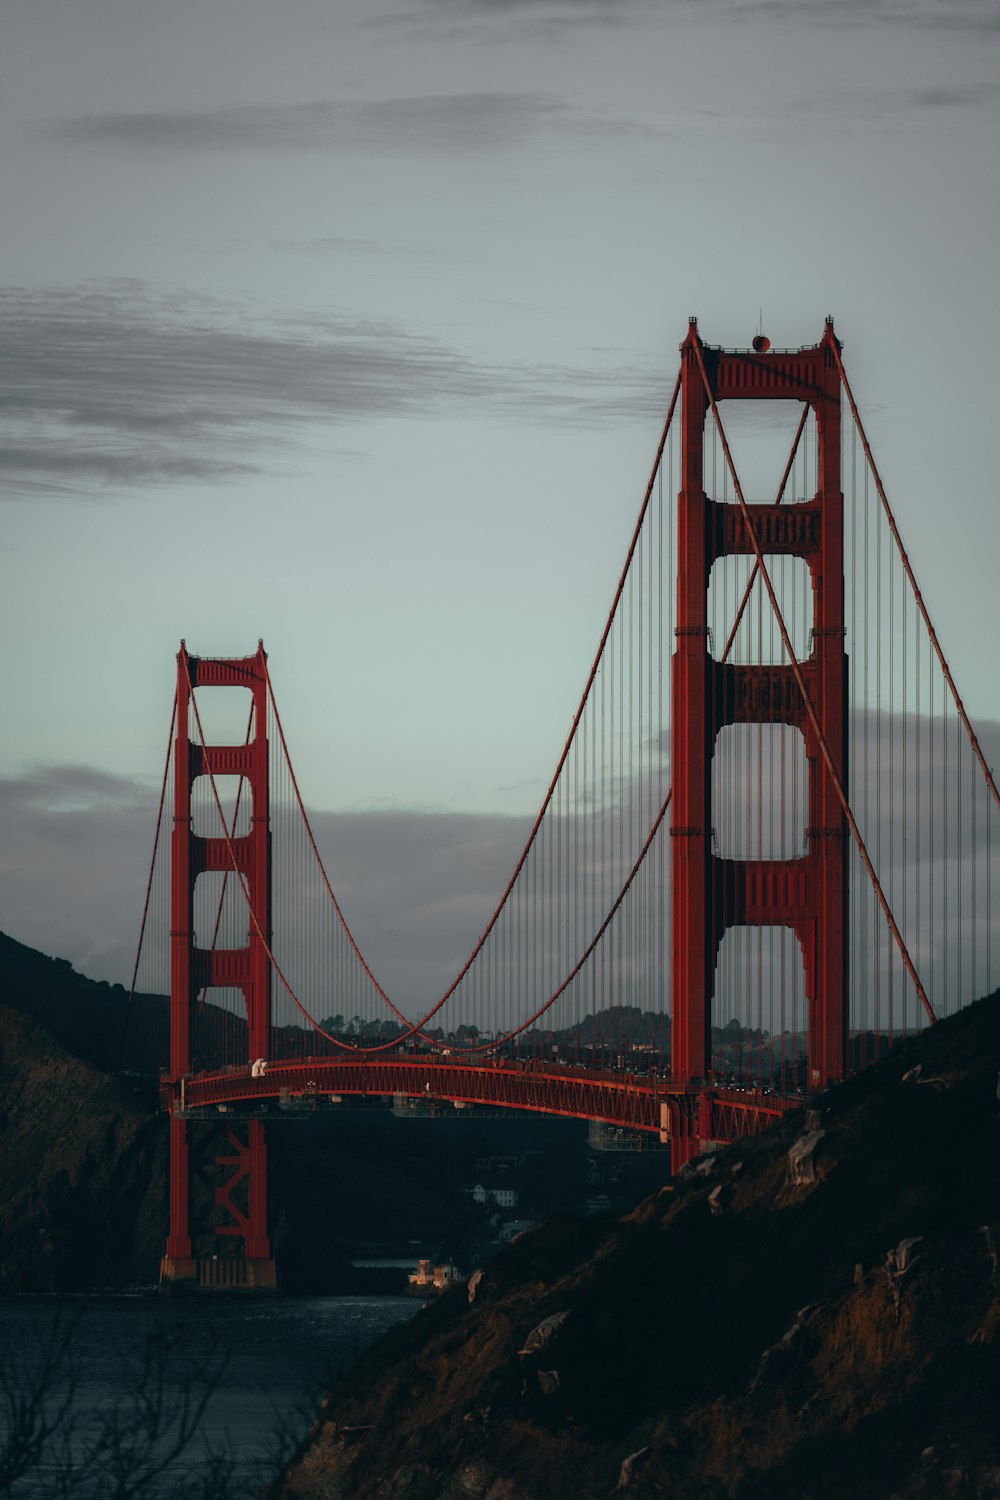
(149, 886)
(414, 1029)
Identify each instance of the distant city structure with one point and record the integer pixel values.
(428, 1278)
(498, 1192)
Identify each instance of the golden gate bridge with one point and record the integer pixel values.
(764, 854)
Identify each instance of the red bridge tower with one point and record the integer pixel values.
(242, 1195)
(809, 893)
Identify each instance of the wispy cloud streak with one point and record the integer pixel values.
(961, 15)
(437, 124)
(108, 385)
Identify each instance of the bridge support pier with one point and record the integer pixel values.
(178, 1266)
(682, 1142)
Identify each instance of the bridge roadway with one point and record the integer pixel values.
(631, 1101)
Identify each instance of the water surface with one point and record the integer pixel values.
(265, 1362)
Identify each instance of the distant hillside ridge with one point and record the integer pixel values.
(813, 1312)
(87, 1015)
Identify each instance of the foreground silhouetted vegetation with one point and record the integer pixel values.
(60, 1441)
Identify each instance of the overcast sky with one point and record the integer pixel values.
(352, 326)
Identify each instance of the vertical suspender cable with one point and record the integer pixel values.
(918, 596)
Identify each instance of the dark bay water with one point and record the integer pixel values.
(268, 1361)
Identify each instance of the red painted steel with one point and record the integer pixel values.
(710, 894)
(621, 1099)
(249, 1165)
(690, 1110)
(834, 771)
(193, 968)
(807, 893)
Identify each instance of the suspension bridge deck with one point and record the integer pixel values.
(641, 1103)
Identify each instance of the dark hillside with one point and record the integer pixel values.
(82, 1179)
(83, 1195)
(83, 1184)
(88, 1016)
(761, 1330)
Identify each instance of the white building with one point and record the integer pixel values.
(513, 1228)
(500, 1193)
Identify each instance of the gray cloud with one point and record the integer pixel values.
(974, 15)
(63, 466)
(71, 866)
(537, 18)
(856, 109)
(978, 15)
(71, 788)
(441, 124)
(948, 98)
(110, 385)
(417, 887)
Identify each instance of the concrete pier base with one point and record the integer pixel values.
(218, 1275)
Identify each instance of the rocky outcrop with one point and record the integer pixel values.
(826, 1325)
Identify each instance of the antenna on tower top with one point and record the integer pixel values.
(760, 343)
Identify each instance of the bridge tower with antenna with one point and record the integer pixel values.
(807, 893)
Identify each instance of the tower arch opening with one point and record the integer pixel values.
(750, 630)
(235, 801)
(225, 713)
(760, 792)
(759, 1010)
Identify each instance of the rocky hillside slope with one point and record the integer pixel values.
(82, 1169)
(814, 1313)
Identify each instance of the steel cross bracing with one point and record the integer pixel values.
(624, 975)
